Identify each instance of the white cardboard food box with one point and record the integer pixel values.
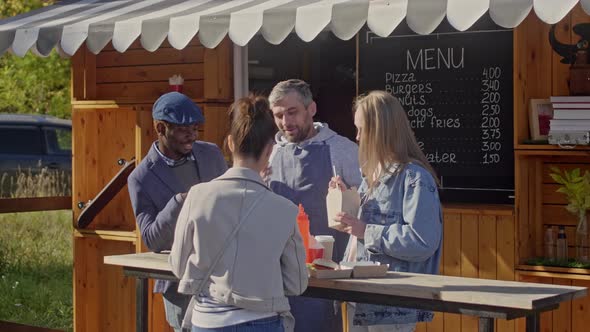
(366, 269)
(330, 274)
(351, 269)
(347, 201)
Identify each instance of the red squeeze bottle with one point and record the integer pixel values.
(303, 223)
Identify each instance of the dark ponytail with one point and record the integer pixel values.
(252, 126)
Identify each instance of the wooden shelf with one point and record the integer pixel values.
(480, 209)
(550, 147)
(580, 152)
(135, 101)
(553, 272)
(115, 235)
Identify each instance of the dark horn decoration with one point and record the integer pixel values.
(576, 55)
(566, 51)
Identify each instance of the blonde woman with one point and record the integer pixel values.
(400, 219)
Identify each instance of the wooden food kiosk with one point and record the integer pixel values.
(112, 94)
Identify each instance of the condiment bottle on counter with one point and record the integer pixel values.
(549, 243)
(303, 223)
(561, 244)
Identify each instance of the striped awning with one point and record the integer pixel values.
(69, 23)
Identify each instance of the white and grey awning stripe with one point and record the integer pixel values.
(68, 24)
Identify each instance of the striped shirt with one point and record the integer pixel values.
(171, 162)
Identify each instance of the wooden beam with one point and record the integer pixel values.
(149, 73)
(77, 75)
(145, 90)
(35, 204)
(479, 209)
(127, 236)
(218, 72)
(191, 54)
(89, 76)
(14, 327)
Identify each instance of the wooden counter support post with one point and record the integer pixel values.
(486, 324)
(533, 323)
(141, 301)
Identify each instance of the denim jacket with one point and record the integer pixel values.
(404, 229)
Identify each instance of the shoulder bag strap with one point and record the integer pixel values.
(187, 317)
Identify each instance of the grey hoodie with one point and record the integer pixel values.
(343, 152)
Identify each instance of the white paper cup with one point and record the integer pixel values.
(327, 241)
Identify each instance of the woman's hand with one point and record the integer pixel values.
(266, 173)
(336, 182)
(353, 225)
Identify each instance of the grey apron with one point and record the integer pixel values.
(302, 175)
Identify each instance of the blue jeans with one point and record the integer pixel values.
(175, 305)
(270, 324)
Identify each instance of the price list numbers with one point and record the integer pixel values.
(491, 144)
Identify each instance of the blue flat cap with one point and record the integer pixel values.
(176, 108)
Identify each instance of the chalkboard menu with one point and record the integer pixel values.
(456, 88)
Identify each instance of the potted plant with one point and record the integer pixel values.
(576, 187)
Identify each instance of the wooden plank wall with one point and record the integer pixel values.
(104, 300)
(140, 75)
(539, 74)
(476, 244)
(553, 212)
(112, 97)
(571, 316)
(137, 78)
(541, 205)
(526, 189)
(102, 296)
(101, 137)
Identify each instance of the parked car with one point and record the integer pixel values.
(31, 144)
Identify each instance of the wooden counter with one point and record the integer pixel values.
(484, 298)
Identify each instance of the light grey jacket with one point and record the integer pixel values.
(265, 261)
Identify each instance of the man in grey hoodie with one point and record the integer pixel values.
(302, 163)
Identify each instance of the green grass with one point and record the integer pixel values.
(36, 269)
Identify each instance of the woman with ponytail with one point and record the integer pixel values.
(237, 248)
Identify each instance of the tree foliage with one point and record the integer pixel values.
(33, 84)
(14, 7)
